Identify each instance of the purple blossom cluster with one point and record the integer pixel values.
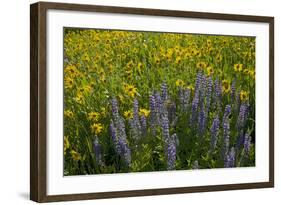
(118, 134)
(215, 132)
(202, 109)
(97, 150)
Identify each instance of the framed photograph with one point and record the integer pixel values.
(134, 102)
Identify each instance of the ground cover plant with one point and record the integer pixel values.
(149, 101)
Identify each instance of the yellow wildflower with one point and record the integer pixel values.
(201, 65)
(225, 86)
(244, 95)
(66, 144)
(96, 128)
(76, 156)
(252, 73)
(157, 60)
(103, 113)
(246, 71)
(190, 87)
(178, 60)
(94, 116)
(79, 98)
(128, 114)
(180, 83)
(71, 70)
(68, 113)
(68, 83)
(210, 70)
(131, 90)
(238, 67)
(209, 42)
(140, 67)
(144, 112)
(219, 58)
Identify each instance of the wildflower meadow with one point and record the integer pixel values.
(151, 101)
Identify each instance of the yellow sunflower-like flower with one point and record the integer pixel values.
(144, 112)
(209, 42)
(210, 70)
(66, 144)
(128, 114)
(140, 67)
(252, 73)
(225, 86)
(80, 98)
(68, 82)
(68, 113)
(131, 90)
(180, 83)
(201, 65)
(244, 95)
(71, 71)
(96, 128)
(76, 156)
(103, 111)
(190, 87)
(178, 60)
(219, 58)
(238, 67)
(94, 116)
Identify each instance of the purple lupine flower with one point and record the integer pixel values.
(217, 94)
(201, 122)
(195, 165)
(171, 152)
(136, 112)
(121, 131)
(153, 113)
(164, 92)
(209, 94)
(165, 129)
(194, 109)
(225, 147)
(242, 117)
(240, 139)
(227, 111)
(171, 109)
(143, 125)
(185, 99)
(198, 81)
(126, 151)
(230, 159)
(215, 132)
(114, 137)
(118, 134)
(202, 91)
(181, 99)
(133, 129)
(247, 144)
(160, 108)
(97, 150)
(233, 90)
(114, 108)
(127, 155)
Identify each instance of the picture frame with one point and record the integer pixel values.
(40, 90)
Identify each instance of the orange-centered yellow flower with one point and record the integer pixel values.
(180, 83)
(96, 128)
(225, 86)
(238, 67)
(244, 95)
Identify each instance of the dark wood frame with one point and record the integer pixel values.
(38, 101)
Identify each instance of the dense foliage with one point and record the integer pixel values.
(147, 101)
